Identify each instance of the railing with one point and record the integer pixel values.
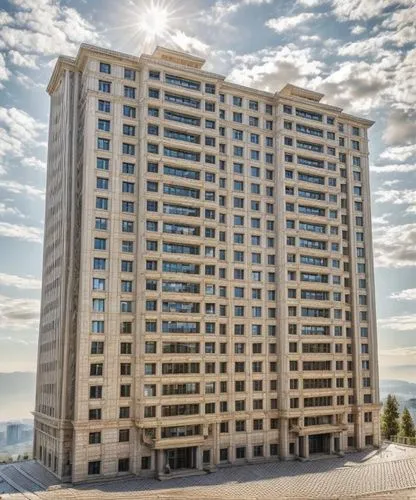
(410, 441)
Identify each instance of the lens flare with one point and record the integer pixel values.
(154, 22)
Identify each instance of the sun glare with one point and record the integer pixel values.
(154, 21)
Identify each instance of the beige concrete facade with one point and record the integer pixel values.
(208, 287)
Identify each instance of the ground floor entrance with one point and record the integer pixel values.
(181, 458)
(320, 443)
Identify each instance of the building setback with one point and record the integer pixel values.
(208, 284)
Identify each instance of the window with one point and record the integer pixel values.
(129, 74)
(104, 106)
(104, 86)
(97, 347)
(154, 93)
(94, 414)
(96, 392)
(154, 75)
(124, 412)
(103, 144)
(128, 149)
(237, 101)
(258, 451)
(94, 438)
(238, 117)
(105, 68)
(123, 464)
(153, 112)
(104, 125)
(102, 183)
(94, 467)
(129, 130)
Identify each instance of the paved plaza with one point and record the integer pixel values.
(386, 473)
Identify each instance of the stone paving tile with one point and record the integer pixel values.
(390, 468)
(324, 479)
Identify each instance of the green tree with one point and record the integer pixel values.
(407, 426)
(390, 417)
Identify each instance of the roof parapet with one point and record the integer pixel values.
(177, 57)
(293, 90)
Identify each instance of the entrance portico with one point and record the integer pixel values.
(326, 443)
(187, 458)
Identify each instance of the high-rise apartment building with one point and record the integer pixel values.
(208, 288)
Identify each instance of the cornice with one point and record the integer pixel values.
(288, 93)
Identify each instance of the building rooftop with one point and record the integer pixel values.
(193, 64)
(357, 475)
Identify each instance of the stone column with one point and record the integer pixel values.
(160, 460)
(343, 441)
(198, 458)
(331, 444)
(306, 446)
(297, 446)
(284, 438)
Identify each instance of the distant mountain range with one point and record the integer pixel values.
(17, 393)
(402, 389)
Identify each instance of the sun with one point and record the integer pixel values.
(155, 21)
(150, 23)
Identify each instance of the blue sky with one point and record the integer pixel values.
(360, 53)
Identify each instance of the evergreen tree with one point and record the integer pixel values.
(390, 417)
(407, 427)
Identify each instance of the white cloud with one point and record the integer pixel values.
(280, 24)
(21, 282)
(400, 127)
(33, 163)
(363, 9)
(189, 43)
(390, 183)
(409, 294)
(18, 188)
(4, 72)
(7, 210)
(18, 132)
(310, 38)
(395, 196)
(399, 153)
(23, 60)
(19, 232)
(395, 246)
(45, 27)
(402, 91)
(18, 314)
(397, 168)
(357, 29)
(311, 3)
(400, 323)
(270, 69)
(363, 48)
(411, 210)
(373, 45)
(381, 220)
(217, 14)
(401, 17)
(5, 18)
(357, 86)
(27, 82)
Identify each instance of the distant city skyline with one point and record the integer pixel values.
(359, 53)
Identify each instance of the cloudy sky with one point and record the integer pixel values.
(360, 53)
